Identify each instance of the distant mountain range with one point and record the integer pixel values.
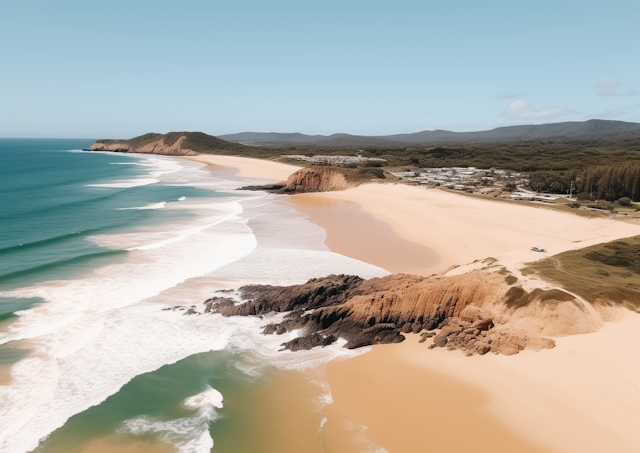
(571, 130)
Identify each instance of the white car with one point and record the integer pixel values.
(537, 249)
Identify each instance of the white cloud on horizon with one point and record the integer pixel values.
(611, 89)
(522, 111)
(607, 114)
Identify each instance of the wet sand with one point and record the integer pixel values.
(357, 234)
(284, 413)
(115, 444)
(412, 409)
(5, 374)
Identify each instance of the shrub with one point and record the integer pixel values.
(624, 201)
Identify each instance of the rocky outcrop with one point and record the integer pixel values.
(467, 312)
(315, 179)
(116, 146)
(312, 179)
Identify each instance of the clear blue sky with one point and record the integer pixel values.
(116, 69)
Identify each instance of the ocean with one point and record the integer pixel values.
(94, 247)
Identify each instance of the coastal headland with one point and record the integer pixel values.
(561, 379)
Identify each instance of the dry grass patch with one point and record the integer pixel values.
(607, 274)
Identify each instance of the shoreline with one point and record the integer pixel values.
(246, 167)
(534, 401)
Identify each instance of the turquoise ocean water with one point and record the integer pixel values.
(93, 246)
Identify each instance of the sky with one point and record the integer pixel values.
(117, 69)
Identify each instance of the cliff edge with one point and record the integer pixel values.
(311, 179)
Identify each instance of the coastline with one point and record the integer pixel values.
(246, 167)
(535, 401)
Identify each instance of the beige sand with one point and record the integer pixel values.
(247, 167)
(357, 234)
(583, 396)
(5, 374)
(411, 408)
(462, 229)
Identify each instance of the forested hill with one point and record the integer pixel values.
(606, 130)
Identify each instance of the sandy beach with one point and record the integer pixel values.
(582, 396)
(246, 167)
(459, 229)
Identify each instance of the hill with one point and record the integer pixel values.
(173, 143)
(567, 131)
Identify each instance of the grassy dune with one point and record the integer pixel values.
(606, 273)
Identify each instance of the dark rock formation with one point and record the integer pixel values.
(380, 310)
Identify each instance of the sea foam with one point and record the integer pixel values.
(187, 434)
(96, 332)
(160, 205)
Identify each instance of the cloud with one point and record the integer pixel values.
(607, 88)
(509, 95)
(606, 114)
(611, 89)
(520, 110)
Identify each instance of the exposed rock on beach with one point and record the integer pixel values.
(476, 312)
(313, 179)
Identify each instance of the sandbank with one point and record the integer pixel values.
(248, 167)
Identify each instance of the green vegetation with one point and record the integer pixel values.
(607, 274)
(551, 182)
(360, 173)
(612, 182)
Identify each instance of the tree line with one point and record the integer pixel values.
(597, 182)
(611, 182)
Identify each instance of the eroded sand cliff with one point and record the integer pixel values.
(484, 310)
(306, 180)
